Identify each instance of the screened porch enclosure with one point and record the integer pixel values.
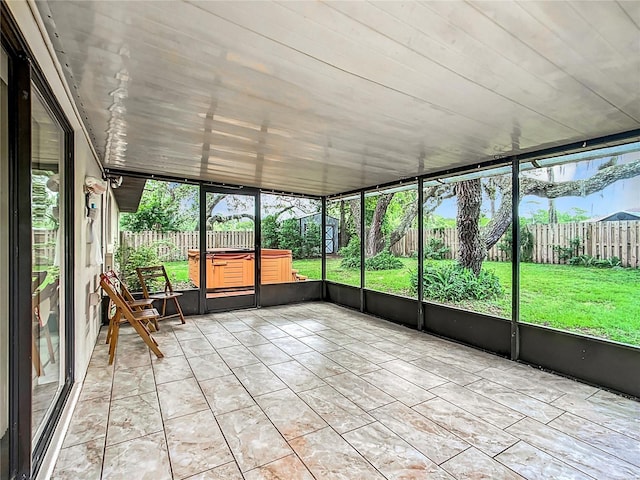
(435, 140)
(405, 237)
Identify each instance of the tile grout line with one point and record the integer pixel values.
(106, 433)
(215, 418)
(553, 454)
(473, 414)
(476, 417)
(207, 401)
(595, 423)
(274, 426)
(544, 452)
(164, 428)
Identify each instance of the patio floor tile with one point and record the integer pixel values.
(314, 390)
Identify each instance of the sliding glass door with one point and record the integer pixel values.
(47, 271)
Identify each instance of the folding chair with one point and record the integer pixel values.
(147, 276)
(139, 319)
(47, 302)
(120, 287)
(37, 278)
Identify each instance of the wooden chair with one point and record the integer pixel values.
(37, 278)
(149, 275)
(135, 304)
(43, 301)
(48, 301)
(139, 319)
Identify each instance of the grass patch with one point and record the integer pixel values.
(392, 281)
(178, 273)
(599, 302)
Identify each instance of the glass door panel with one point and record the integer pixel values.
(229, 260)
(47, 224)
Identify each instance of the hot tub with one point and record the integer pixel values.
(233, 268)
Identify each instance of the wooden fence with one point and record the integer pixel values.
(44, 245)
(602, 240)
(173, 246)
(449, 236)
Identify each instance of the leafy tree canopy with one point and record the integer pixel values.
(164, 207)
(542, 216)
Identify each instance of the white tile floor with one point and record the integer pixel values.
(317, 391)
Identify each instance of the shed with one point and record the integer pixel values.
(331, 230)
(622, 215)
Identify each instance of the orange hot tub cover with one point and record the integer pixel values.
(228, 268)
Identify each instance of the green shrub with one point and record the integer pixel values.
(435, 249)
(581, 260)
(568, 253)
(312, 241)
(384, 260)
(128, 259)
(289, 237)
(612, 262)
(270, 231)
(450, 282)
(171, 253)
(351, 253)
(286, 235)
(589, 261)
(350, 262)
(526, 244)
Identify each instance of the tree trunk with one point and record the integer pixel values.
(343, 237)
(553, 214)
(499, 222)
(354, 206)
(405, 223)
(579, 188)
(375, 238)
(472, 250)
(433, 198)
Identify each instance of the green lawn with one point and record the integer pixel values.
(598, 302)
(179, 274)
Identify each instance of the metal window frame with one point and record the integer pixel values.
(257, 245)
(19, 116)
(575, 356)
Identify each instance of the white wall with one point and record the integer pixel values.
(112, 229)
(85, 272)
